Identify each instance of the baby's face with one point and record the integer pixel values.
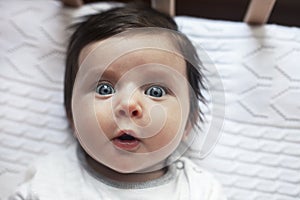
(135, 102)
(140, 104)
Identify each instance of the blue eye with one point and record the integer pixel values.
(105, 89)
(155, 91)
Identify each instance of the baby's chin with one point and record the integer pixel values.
(126, 162)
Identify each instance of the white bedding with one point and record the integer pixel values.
(258, 155)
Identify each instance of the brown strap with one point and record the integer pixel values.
(259, 11)
(73, 3)
(165, 6)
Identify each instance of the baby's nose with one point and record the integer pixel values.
(130, 107)
(131, 110)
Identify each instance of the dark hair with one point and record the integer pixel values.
(103, 25)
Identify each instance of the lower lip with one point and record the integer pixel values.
(126, 145)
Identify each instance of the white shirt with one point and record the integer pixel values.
(66, 175)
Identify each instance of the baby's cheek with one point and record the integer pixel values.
(104, 116)
(177, 112)
(177, 118)
(172, 125)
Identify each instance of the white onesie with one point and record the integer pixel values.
(66, 175)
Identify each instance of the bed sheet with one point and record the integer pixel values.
(258, 154)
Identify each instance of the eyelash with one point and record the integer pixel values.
(97, 89)
(145, 87)
(148, 86)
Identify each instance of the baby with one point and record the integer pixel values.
(132, 90)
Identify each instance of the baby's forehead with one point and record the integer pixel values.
(148, 64)
(121, 54)
(148, 58)
(123, 43)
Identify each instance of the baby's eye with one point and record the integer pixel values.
(156, 91)
(105, 89)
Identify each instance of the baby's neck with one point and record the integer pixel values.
(121, 177)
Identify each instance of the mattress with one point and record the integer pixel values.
(258, 154)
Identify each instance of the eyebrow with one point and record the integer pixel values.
(110, 75)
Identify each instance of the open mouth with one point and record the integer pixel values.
(126, 137)
(126, 142)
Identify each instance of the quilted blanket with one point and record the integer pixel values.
(258, 154)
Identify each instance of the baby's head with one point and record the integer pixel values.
(132, 87)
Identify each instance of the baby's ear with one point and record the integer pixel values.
(71, 125)
(187, 130)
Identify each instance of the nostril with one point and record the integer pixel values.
(127, 111)
(135, 113)
(122, 113)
